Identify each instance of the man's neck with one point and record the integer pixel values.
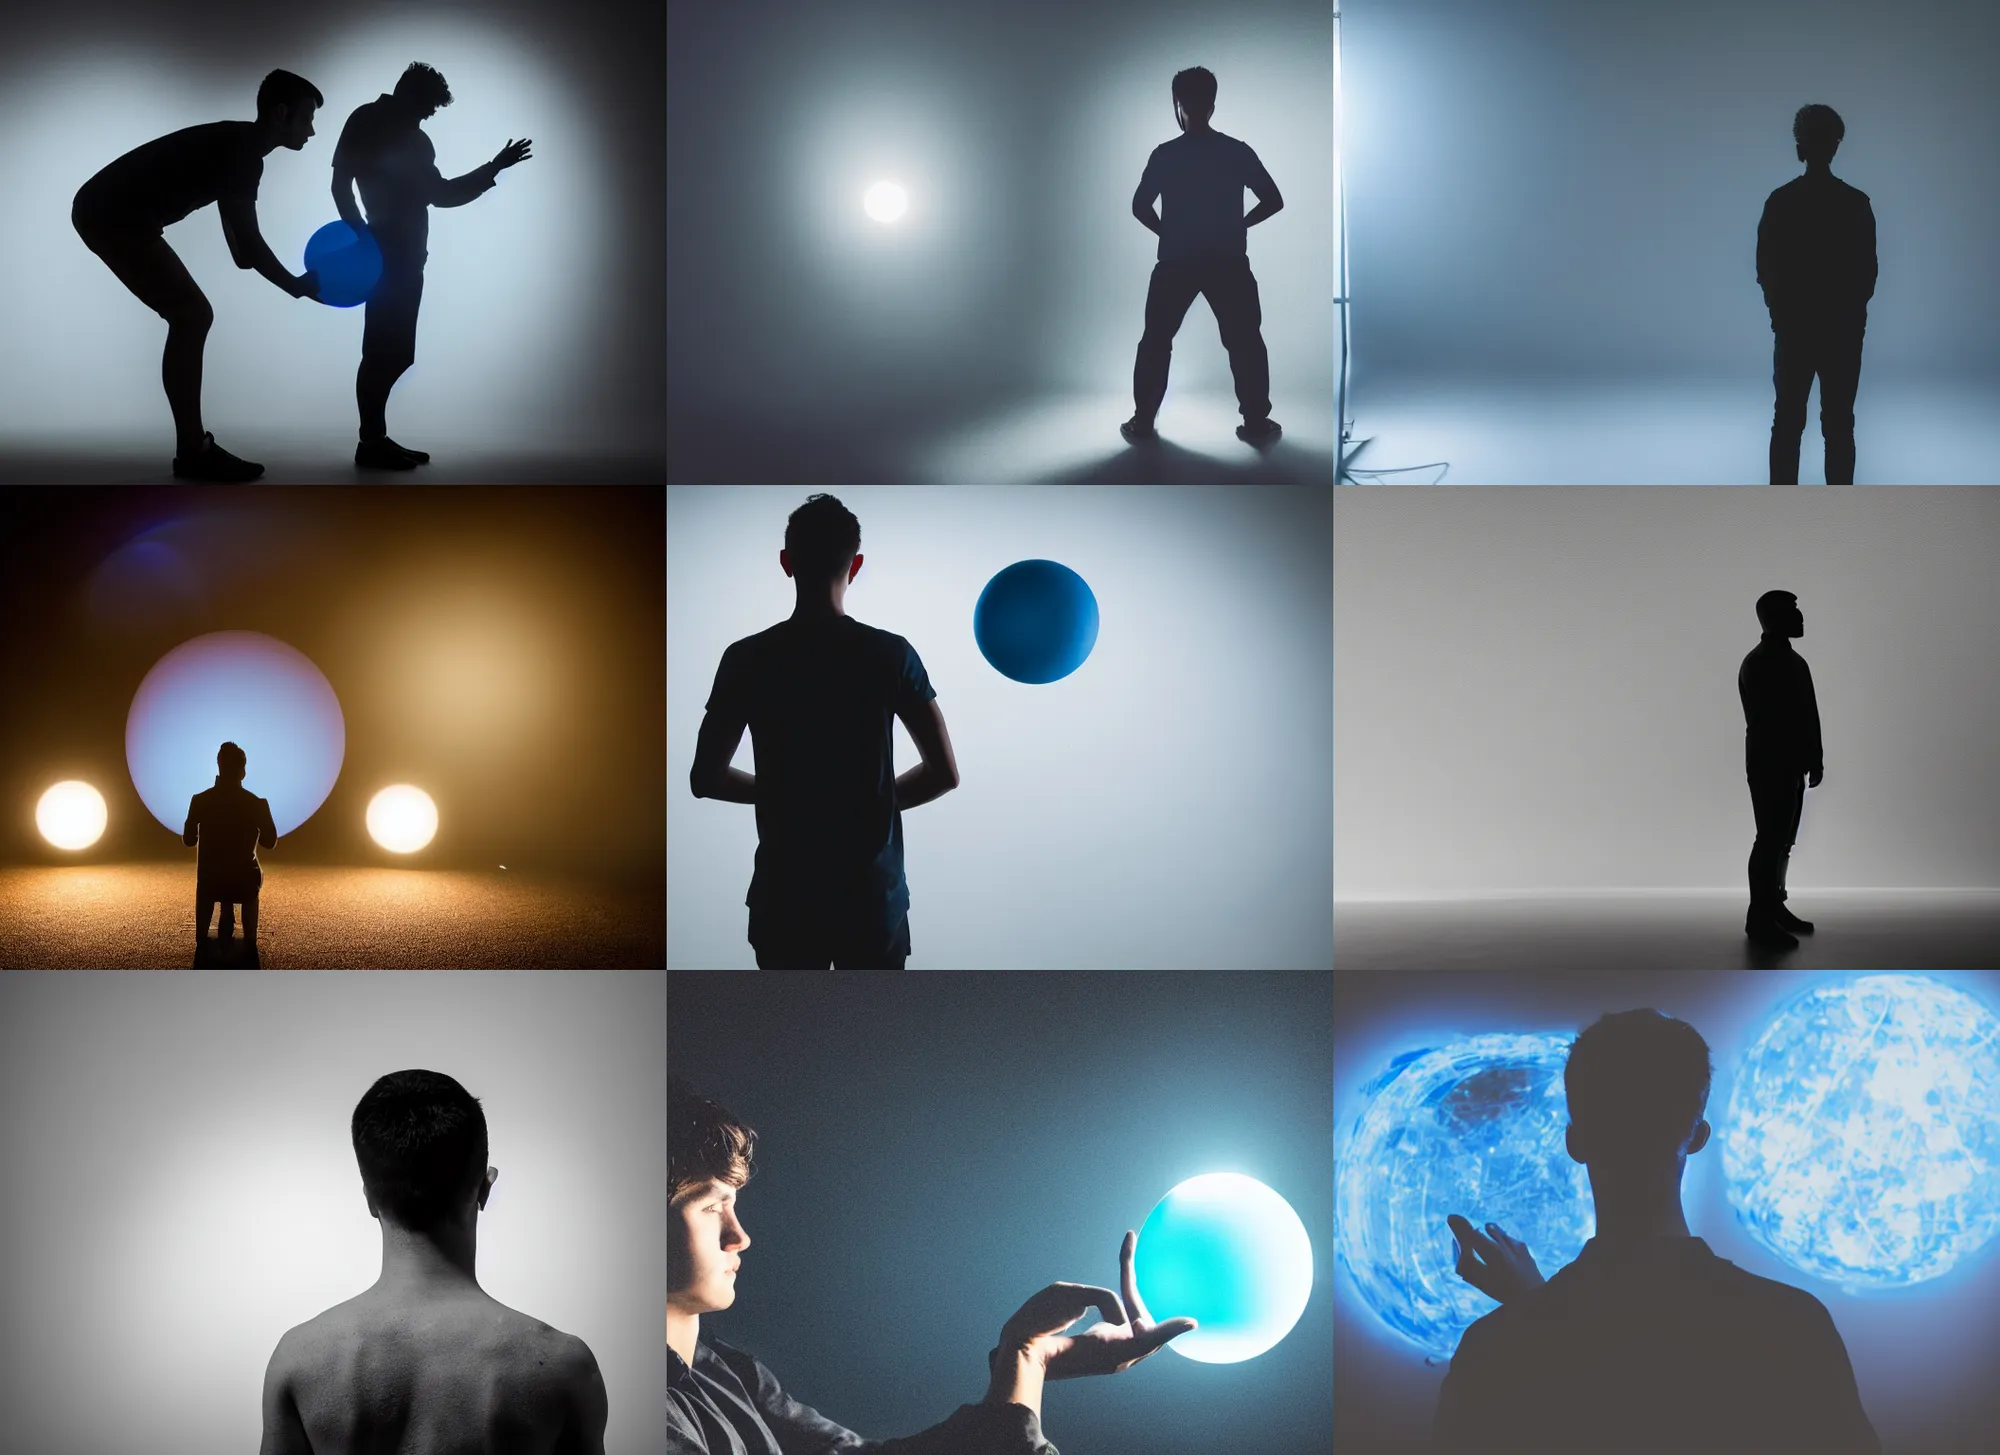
(816, 610)
(432, 1261)
(1628, 1214)
(682, 1332)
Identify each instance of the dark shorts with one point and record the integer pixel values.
(142, 260)
(807, 940)
(389, 329)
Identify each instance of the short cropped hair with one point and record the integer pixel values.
(282, 88)
(704, 1142)
(423, 84)
(1194, 88)
(232, 760)
(822, 536)
(1770, 604)
(420, 1138)
(1638, 1079)
(1818, 131)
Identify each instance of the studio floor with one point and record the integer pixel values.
(141, 916)
(1854, 930)
(329, 460)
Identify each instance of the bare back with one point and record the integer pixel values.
(457, 1375)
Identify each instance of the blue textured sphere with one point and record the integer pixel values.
(1036, 621)
(1862, 1144)
(1475, 1127)
(349, 264)
(1228, 1252)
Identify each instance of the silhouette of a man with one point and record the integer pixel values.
(1782, 757)
(229, 823)
(1648, 1344)
(426, 1359)
(383, 149)
(122, 211)
(1198, 178)
(723, 1401)
(1816, 265)
(818, 692)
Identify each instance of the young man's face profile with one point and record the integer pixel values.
(705, 1239)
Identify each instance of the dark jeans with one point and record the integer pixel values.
(804, 941)
(1833, 354)
(1232, 294)
(1776, 798)
(389, 332)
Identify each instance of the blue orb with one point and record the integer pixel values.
(1225, 1250)
(1475, 1127)
(243, 688)
(349, 264)
(1036, 621)
(1863, 1135)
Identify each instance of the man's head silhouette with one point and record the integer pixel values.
(1817, 131)
(422, 89)
(1637, 1083)
(420, 1139)
(1194, 98)
(822, 551)
(285, 103)
(231, 763)
(1778, 612)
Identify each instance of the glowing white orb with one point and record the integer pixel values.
(402, 819)
(885, 202)
(71, 815)
(1475, 1127)
(1225, 1250)
(243, 688)
(1863, 1136)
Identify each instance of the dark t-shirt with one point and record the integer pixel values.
(158, 184)
(1199, 181)
(1816, 254)
(1780, 712)
(387, 153)
(229, 822)
(819, 695)
(1658, 1348)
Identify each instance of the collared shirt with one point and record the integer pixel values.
(1780, 712)
(730, 1404)
(1653, 1347)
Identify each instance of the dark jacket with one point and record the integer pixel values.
(1780, 712)
(1816, 254)
(230, 823)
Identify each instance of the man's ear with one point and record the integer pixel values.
(486, 1186)
(785, 561)
(1574, 1145)
(1702, 1130)
(854, 567)
(369, 1198)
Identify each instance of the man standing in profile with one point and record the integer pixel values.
(384, 149)
(1816, 265)
(1198, 178)
(226, 825)
(1783, 757)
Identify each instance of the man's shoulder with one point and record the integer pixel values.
(506, 1334)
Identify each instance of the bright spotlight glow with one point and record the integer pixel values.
(245, 688)
(1225, 1250)
(71, 815)
(402, 819)
(1475, 1127)
(1863, 1139)
(886, 201)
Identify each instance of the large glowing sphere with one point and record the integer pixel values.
(1863, 1135)
(402, 819)
(1225, 1250)
(71, 815)
(1036, 621)
(1475, 1127)
(886, 201)
(243, 688)
(349, 264)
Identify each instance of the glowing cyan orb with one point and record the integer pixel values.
(243, 688)
(71, 815)
(1225, 1250)
(1475, 1127)
(1863, 1136)
(886, 201)
(402, 819)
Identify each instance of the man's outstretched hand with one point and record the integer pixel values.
(1499, 1266)
(1127, 1335)
(512, 154)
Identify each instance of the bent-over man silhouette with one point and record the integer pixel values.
(1198, 178)
(723, 1401)
(427, 1362)
(1782, 756)
(817, 692)
(229, 824)
(383, 149)
(1648, 1344)
(122, 211)
(1816, 265)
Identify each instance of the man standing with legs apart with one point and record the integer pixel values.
(1816, 265)
(384, 149)
(1782, 756)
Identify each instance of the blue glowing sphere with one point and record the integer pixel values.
(1475, 1127)
(243, 688)
(349, 264)
(1225, 1250)
(1863, 1136)
(1036, 621)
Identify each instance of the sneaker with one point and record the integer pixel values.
(1259, 432)
(1138, 431)
(384, 454)
(214, 463)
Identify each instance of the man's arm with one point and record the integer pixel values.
(1269, 203)
(191, 831)
(938, 773)
(1145, 197)
(284, 1431)
(457, 191)
(711, 776)
(589, 1407)
(249, 250)
(343, 197)
(267, 831)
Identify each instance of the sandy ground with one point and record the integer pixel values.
(141, 916)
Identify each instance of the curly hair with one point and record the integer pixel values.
(704, 1142)
(422, 84)
(1818, 131)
